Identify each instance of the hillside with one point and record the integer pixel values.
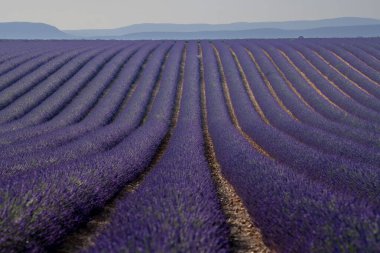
(170, 28)
(26, 30)
(265, 33)
(339, 27)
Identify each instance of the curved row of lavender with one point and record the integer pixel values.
(191, 219)
(295, 125)
(280, 197)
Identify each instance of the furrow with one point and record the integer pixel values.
(337, 70)
(269, 86)
(289, 84)
(353, 68)
(133, 87)
(231, 109)
(244, 235)
(324, 76)
(249, 90)
(316, 117)
(36, 95)
(84, 237)
(43, 117)
(309, 81)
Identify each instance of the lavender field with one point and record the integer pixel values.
(190, 146)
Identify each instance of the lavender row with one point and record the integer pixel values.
(301, 112)
(294, 213)
(20, 87)
(360, 80)
(99, 139)
(320, 140)
(107, 107)
(336, 93)
(23, 105)
(15, 53)
(369, 50)
(93, 81)
(25, 69)
(11, 62)
(362, 69)
(342, 101)
(176, 207)
(360, 90)
(47, 87)
(361, 53)
(317, 98)
(353, 178)
(306, 106)
(41, 215)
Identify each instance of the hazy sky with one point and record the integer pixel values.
(74, 14)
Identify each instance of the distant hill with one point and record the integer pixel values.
(339, 27)
(26, 30)
(265, 33)
(169, 28)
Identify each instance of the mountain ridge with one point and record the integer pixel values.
(30, 30)
(237, 26)
(264, 33)
(338, 27)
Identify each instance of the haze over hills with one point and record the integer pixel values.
(286, 25)
(264, 33)
(338, 27)
(27, 30)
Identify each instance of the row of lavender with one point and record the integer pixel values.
(296, 203)
(295, 127)
(287, 221)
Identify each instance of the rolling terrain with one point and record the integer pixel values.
(346, 27)
(190, 146)
(239, 26)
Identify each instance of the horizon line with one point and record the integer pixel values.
(169, 23)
